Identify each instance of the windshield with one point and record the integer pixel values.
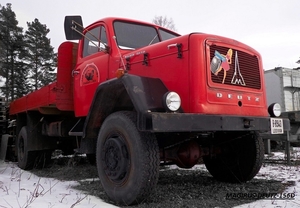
(132, 36)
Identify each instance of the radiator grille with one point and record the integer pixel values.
(243, 70)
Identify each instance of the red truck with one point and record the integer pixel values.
(134, 96)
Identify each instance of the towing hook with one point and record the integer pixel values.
(247, 123)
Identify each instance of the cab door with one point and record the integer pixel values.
(92, 68)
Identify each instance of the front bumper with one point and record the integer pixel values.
(185, 122)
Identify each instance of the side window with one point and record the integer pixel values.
(166, 35)
(103, 38)
(94, 41)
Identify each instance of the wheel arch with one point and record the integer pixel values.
(36, 141)
(131, 93)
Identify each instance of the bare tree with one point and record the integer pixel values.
(164, 22)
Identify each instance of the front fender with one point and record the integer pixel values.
(131, 93)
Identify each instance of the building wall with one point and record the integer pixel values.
(283, 86)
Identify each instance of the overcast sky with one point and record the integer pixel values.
(272, 27)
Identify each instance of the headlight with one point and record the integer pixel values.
(172, 101)
(274, 110)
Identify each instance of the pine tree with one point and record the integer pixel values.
(12, 48)
(40, 56)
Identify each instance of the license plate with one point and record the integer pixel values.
(276, 126)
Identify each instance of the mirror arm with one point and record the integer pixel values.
(74, 27)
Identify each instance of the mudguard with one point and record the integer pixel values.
(133, 93)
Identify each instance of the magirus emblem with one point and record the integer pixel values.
(237, 78)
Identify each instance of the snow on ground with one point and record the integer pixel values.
(19, 188)
(287, 174)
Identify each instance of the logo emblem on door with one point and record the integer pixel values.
(90, 75)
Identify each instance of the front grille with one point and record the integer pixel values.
(243, 70)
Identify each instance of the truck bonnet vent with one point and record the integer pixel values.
(233, 67)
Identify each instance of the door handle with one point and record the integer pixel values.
(75, 72)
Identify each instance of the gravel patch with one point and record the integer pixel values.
(176, 187)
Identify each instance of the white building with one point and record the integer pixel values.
(283, 87)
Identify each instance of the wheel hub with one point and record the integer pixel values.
(115, 159)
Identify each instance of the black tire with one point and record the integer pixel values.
(127, 159)
(43, 159)
(26, 158)
(240, 159)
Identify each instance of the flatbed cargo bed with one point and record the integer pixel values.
(38, 100)
(57, 96)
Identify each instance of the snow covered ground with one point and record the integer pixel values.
(20, 189)
(287, 174)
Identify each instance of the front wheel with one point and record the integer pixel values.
(127, 159)
(240, 159)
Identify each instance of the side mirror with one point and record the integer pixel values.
(73, 27)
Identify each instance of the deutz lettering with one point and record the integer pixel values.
(239, 97)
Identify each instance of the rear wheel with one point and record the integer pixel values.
(26, 158)
(240, 159)
(127, 159)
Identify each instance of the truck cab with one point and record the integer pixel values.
(101, 51)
